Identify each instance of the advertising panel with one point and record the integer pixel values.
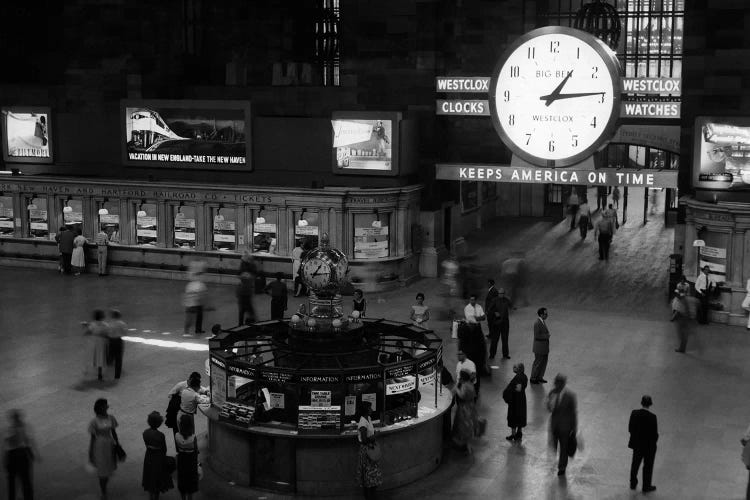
(721, 158)
(370, 242)
(26, 135)
(365, 143)
(210, 135)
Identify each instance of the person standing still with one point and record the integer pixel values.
(603, 234)
(19, 453)
(561, 402)
(573, 203)
(116, 328)
(476, 346)
(704, 286)
(616, 197)
(245, 291)
(515, 396)
(540, 348)
(277, 290)
(101, 241)
(644, 433)
(66, 249)
(601, 197)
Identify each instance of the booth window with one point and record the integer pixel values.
(184, 227)
(38, 224)
(305, 229)
(225, 229)
(7, 226)
(264, 230)
(109, 219)
(146, 225)
(72, 214)
(371, 235)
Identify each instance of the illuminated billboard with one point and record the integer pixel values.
(26, 135)
(365, 143)
(721, 158)
(210, 135)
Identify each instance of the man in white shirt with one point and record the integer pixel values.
(474, 312)
(704, 285)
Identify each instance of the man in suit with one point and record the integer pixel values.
(66, 248)
(643, 436)
(541, 347)
(498, 321)
(563, 422)
(704, 285)
(491, 293)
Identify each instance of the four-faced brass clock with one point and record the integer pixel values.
(555, 96)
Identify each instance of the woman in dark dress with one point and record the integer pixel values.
(156, 475)
(187, 458)
(515, 395)
(359, 303)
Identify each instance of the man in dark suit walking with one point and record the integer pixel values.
(541, 347)
(643, 436)
(563, 422)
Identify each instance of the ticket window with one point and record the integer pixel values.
(7, 225)
(371, 236)
(184, 227)
(224, 229)
(73, 215)
(109, 220)
(306, 229)
(146, 225)
(265, 231)
(38, 223)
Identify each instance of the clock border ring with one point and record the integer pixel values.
(611, 63)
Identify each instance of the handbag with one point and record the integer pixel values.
(374, 452)
(120, 453)
(572, 444)
(507, 395)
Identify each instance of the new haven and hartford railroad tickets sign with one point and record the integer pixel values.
(537, 175)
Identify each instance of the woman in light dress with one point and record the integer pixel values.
(78, 260)
(96, 331)
(420, 313)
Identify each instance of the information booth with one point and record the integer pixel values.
(286, 396)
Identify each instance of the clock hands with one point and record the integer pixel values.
(550, 98)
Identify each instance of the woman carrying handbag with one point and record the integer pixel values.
(104, 447)
(369, 475)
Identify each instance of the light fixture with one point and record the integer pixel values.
(103, 211)
(66, 209)
(302, 222)
(376, 223)
(141, 213)
(31, 206)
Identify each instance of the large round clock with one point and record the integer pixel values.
(324, 268)
(555, 95)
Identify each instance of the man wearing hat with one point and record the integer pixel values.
(498, 311)
(643, 436)
(704, 285)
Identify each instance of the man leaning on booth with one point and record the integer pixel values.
(101, 250)
(704, 286)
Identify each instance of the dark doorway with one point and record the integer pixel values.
(447, 227)
(553, 201)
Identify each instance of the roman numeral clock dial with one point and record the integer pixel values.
(555, 96)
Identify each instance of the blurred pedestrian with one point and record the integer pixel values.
(515, 396)
(466, 365)
(101, 241)
(299, 286)
(616, 197)
(745, 441)
(175, 397)
(187, 458)
(540, 347)
(247, 263)
(116, 329)
(244, 291)
(603, 233)
(561, 402)
(58, 237)
(194, 300)
(156, 477)
(473, 342)
(573, 203)
(611, 214)
(19, 453)
(279, 296)
(102, 444)
(420, 313)
(746, 302)
(465, 424)
(498, 321)
(514, 274)
(190, 397)
(78, 258)
(359, 303)
(96, 331)
(584, 219)
(601, 197)
(644, 433)
(681, 313)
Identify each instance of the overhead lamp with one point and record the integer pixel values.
(33, 207)
(141, 213)
(302, 222)
(376, 223)
(218, 218)
(102, 211)
(260, 219)
(66, 209)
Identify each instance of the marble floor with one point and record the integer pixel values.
(610, 336)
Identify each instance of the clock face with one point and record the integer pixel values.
(317, 273)
(554, 98)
